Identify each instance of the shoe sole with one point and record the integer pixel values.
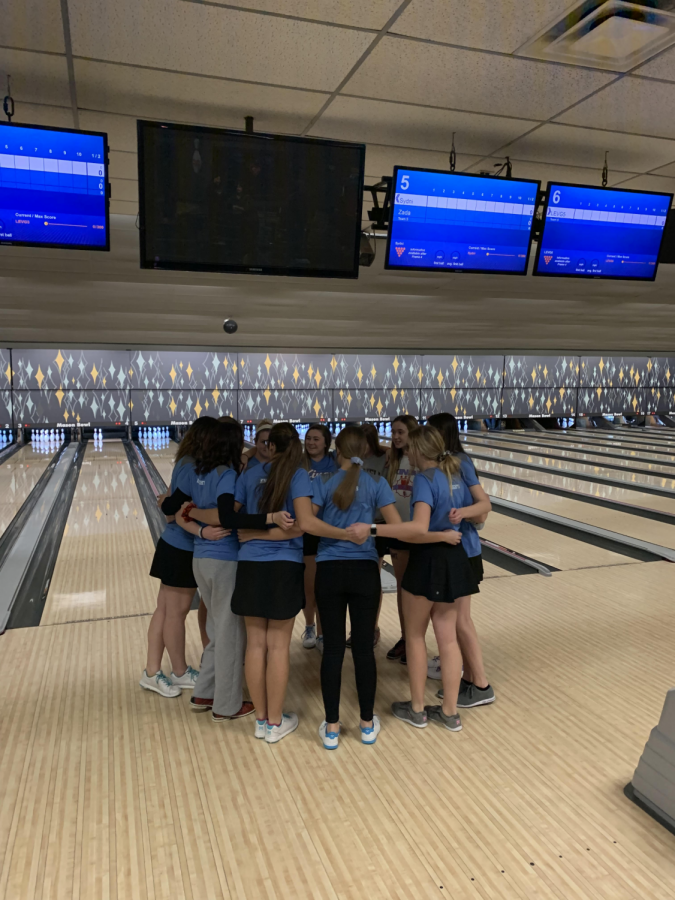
(434, 677)
(282, 736)
(326, 747)
(232, 718)
(146, 687)
(200, 709)
(479, 703)
(309, 646)
(410, 721)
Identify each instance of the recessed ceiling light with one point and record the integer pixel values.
(613, 34)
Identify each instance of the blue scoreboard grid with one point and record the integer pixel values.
(462, 223)
(53, 187)
(596, 232)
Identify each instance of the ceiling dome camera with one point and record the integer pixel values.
(230, 326)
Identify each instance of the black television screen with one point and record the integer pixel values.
(217, 200)
(53, 187)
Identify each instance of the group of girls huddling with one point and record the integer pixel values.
(271, 531)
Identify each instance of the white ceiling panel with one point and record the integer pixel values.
(36, 77)
(32, 25)
(545, 172)
(632, 104)
(123, 165)
(649, 183)
(668, 170)
(124, 190)
(375, 14)
(209, 40)
(380, 160)
(147, 93)
(413, 71)
(489, 25)
(123, 207)
(567, 145)
(51, 116)
(661, 67)
(404, 125)
(121, 130)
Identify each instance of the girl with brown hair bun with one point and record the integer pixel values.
(400, 475)
(348, 577)
(320, 463)
(438, 574)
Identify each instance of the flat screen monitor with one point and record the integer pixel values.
(460, 223)
(53, 187)
(592, 232)
(218, 200)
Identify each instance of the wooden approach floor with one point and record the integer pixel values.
(109, 792)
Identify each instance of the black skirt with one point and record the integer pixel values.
(310, 544)
(478, 571)
(173, 566)
(439, 572)
(269, 590)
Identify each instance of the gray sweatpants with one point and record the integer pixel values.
(222, 670)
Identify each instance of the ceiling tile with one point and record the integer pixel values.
(208, 40)
(545, 172)
(482, 23)
(668, 170)
(342, 12)
(380, 160)
(124, 190)
(121, 130)
(32, 25)
(51, 116)
(123, 207)
(147, 93)
(567, 145)
(36, 78)
(661, 67)
(402, 125)
(649, 183)
(415, 72)
(123, 165)
(632, 104)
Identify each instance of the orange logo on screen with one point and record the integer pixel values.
(547, 259)
(400, 251)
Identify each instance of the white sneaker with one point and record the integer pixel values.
(319, 644)
(187, 681)
(369, 735)
(274, 733)
(309, 637)
(328, 738)
(260, 728)
(434, 668)
(159, 683)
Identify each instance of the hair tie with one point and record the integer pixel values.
(448, 453)
(356, 460)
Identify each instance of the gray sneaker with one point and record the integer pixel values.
(436, 714)
(470, 696)
(403, 710)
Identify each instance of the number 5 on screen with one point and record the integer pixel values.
(405, 184)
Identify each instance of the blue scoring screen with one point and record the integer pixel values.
(442, 220)
(601, 232)
(53, 188)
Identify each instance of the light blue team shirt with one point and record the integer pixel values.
(252, 463)
(372, 492)
(247, 492)
(205, 490)
(173, 534)
(323, 469)
(470, 539)
(433, 488)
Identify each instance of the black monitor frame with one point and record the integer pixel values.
(452, 270)
(106, 150)
(552, 184)
(146, 263)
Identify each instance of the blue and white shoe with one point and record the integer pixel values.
(309, 637)
(159, 683)
(187, 680)
(288, 724)
(328, 738)
(369, 735)
(260, 727)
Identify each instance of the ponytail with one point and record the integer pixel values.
(428, 442)
(351, 444)
(285, 462)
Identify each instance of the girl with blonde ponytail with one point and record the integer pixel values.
(348, 577)
(437, 575)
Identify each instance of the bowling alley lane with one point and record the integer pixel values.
(569, 468)
(609, 439)
(623, 523)
(105, 554)
(583, 454)
(18, 477)
(163, 458)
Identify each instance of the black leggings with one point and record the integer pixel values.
(354, 585)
